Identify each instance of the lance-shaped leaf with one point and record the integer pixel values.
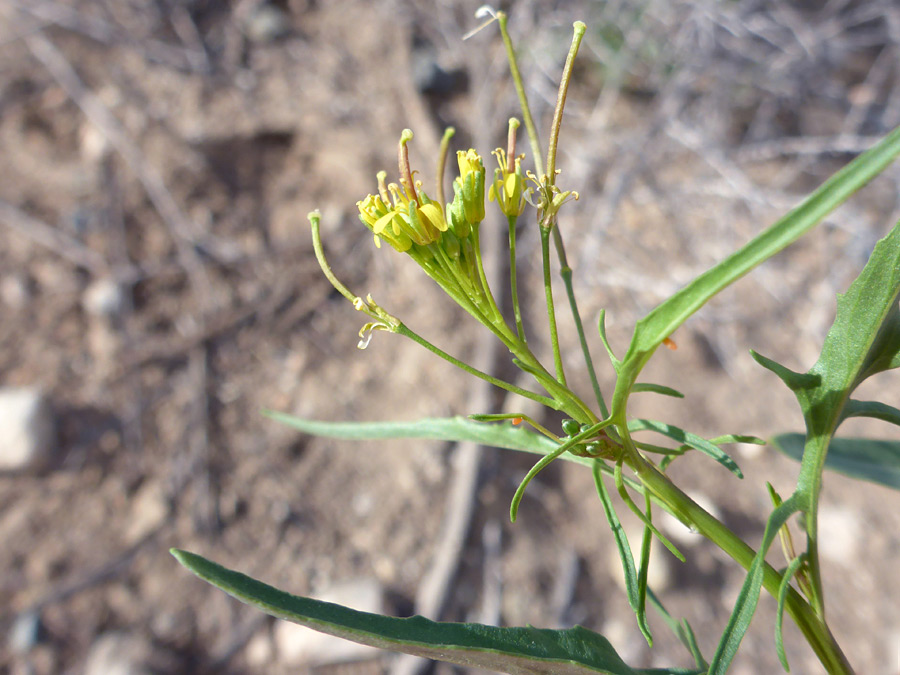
(519, 651)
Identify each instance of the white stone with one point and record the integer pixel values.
(117, 654)
(297, 644)
(839, 534)
(94, 144)
(259, 650)
(14, 291)
(266, 24)
(659, 573)
(27, 429)
(149, 509)
(25, 632)
(104, 297)
(120, 653)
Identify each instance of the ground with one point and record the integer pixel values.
(165, 155)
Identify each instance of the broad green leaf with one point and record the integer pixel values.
(666, 317)
(656, 389)
(864, 458)
(689, 439)
(520, 651)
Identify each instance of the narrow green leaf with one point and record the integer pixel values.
(656, 389)
(661, 449)
(644, 571)
(547, 459)
(601, 328)
(620, 487)
(519, 651)
(789, 573)
(625, 555)
(874, 409)
(745, 605)
(440, 429)
(863, 458)
(666, 317)
(687, 438)
(663, 320)
(737, 438)
(682, 630)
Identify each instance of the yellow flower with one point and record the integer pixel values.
(400, 218)
(508, 188)
(467, 208)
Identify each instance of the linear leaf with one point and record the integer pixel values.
(689, 439)
(863, 458)
(625, 555)
(745, 605)
(789, 573)
(682, 630)
(439, 429)
(656, 389)
(456, 429)
(519, 651)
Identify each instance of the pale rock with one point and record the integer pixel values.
(259, 650)
(659, 574)
(297, 644)
(103, 298)
(266, 23)
(27, 429)
(25, 632)
(120, 653)
(14, 291)
(94, 144)
(839, 534)
(149, 509)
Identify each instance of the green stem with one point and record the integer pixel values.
(314, 218)
(551, 312)
(404, 330)
(566, 274)
(561, 101)
(520, 90)
(514, 287)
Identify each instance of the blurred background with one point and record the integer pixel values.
(158, 290)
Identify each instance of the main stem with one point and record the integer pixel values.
(814, 630)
